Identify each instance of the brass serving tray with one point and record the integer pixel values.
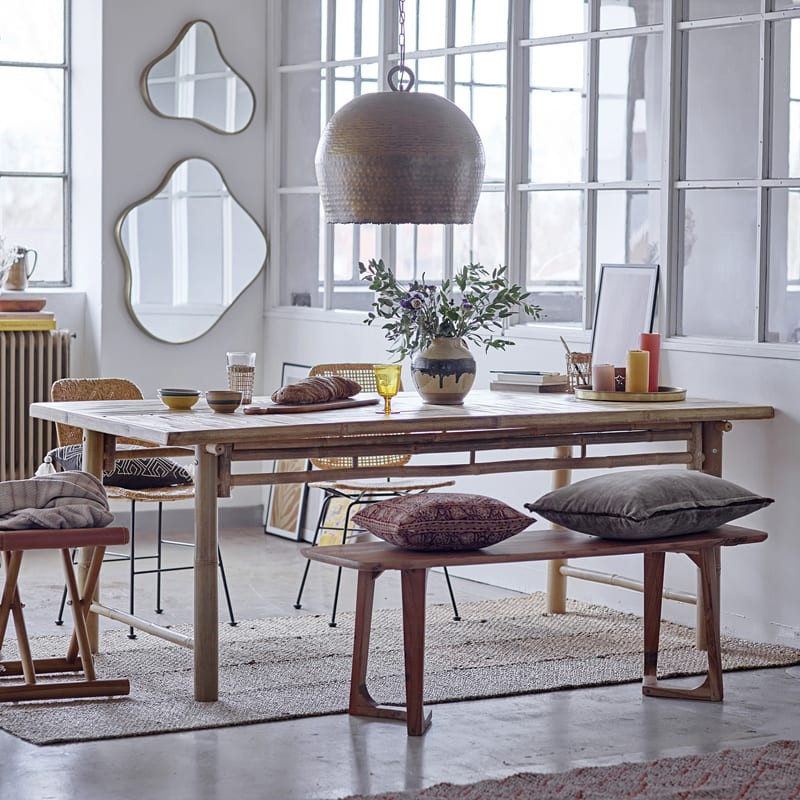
(665, 394)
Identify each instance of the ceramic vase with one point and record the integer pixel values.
(444, 372)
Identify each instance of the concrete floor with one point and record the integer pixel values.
(333, 756)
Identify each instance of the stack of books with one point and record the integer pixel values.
(27, 321)
(528, 381)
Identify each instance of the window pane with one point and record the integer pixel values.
(719, 261)
(303, 24)
(553, 19)
(786, 99)
(557, 110)
(32, 31)
(356, 35)
(32, 135)
(352, 243)
(555, 253)
(628, 225)
(32, 216)
(300, 248)
(426, 24)
(783, 301)
(480, 92)
(430, 75)
(484, 240)
(350, 82)
(301, 127)
(704, 9)
(630, 13)
(629, 109)
(480, 21)
(420, 250)
(722, 103)
(781, 5)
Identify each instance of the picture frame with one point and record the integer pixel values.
(286, 504)
(626, 307)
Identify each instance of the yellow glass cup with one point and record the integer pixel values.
(387, 379)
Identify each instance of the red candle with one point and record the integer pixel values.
(652, 343)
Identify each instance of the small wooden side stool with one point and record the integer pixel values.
(79, 655)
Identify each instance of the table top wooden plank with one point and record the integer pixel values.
(535, 545)
(151, 421)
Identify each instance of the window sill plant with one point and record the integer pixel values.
(434, 323)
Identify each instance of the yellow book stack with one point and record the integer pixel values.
(27, 321)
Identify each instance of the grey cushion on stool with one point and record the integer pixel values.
(647, 504)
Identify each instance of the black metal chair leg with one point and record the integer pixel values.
(456, 615)
(131, 599)
(233, 622)
(62, 605)
(320, 520)
(158, 609)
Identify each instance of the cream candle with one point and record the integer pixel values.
(603, 377)
(652, 343)
(637, 371)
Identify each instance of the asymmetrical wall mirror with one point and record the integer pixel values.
(190, 250)
(192, 80)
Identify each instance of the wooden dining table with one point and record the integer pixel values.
(491, 433)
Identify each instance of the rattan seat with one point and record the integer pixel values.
(81, 389)
(354, 493)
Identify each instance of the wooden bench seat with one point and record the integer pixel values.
(371, 559)
(79, 658)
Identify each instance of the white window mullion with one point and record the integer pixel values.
(764, 172)
(387, 39)
(330, 94)
(450, 94)
(589, 246)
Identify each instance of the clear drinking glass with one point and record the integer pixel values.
(241, 374)
(387, 378)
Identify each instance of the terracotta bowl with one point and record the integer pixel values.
(223, 401)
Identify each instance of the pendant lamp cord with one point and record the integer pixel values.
(398, 74)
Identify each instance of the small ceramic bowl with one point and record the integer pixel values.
(223, 401)
(179, 399)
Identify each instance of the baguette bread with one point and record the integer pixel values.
(317, 389)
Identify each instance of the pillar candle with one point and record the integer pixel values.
(652, 343)
(636, 371)
(603, 377)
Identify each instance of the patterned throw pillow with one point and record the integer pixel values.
(128, 473)
(647, 504)
(442, 521)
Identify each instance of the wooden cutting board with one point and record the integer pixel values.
(285, 408)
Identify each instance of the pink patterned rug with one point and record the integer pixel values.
(770, 772)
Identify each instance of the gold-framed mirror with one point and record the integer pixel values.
(190, 249)
(192, 80)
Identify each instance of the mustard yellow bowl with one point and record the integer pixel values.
(178, 399)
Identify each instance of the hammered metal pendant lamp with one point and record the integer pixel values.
(400, 157)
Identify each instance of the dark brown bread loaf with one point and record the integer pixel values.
(318, 389)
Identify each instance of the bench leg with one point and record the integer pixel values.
(707, 559)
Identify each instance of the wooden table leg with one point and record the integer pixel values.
(653, 590)
(93, 453)
(556, 582)
(413, 583)
(206, 634)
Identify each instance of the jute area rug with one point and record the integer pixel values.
(296, 666)
(771, 772)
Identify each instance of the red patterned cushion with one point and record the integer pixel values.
(442, 521)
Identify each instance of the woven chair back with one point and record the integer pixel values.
(364, 375)
(69, 389)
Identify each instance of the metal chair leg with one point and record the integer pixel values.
(350, 505)
(132, 562)
(320, 520)
(456, 615)
(158, 608)
(233, 621)
(62, 605)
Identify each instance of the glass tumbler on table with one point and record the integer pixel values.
(387, 378)
(241, 374)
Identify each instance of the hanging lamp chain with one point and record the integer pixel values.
(400, 73)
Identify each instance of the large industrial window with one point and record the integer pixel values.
(34, 133)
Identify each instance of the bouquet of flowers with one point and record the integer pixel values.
(474, 305)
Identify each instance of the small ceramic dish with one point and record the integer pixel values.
(223, 401)
(179, 399)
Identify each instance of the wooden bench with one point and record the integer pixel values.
(371, 559)
(79, 658)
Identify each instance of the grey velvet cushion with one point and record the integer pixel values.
(647, 504)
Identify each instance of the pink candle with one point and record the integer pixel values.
(603, 377)
(652, 343)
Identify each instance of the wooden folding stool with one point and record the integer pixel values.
(79, 655)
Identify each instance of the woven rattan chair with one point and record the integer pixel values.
(356, 493)
(121, 389)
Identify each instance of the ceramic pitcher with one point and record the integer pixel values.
(19, 272)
